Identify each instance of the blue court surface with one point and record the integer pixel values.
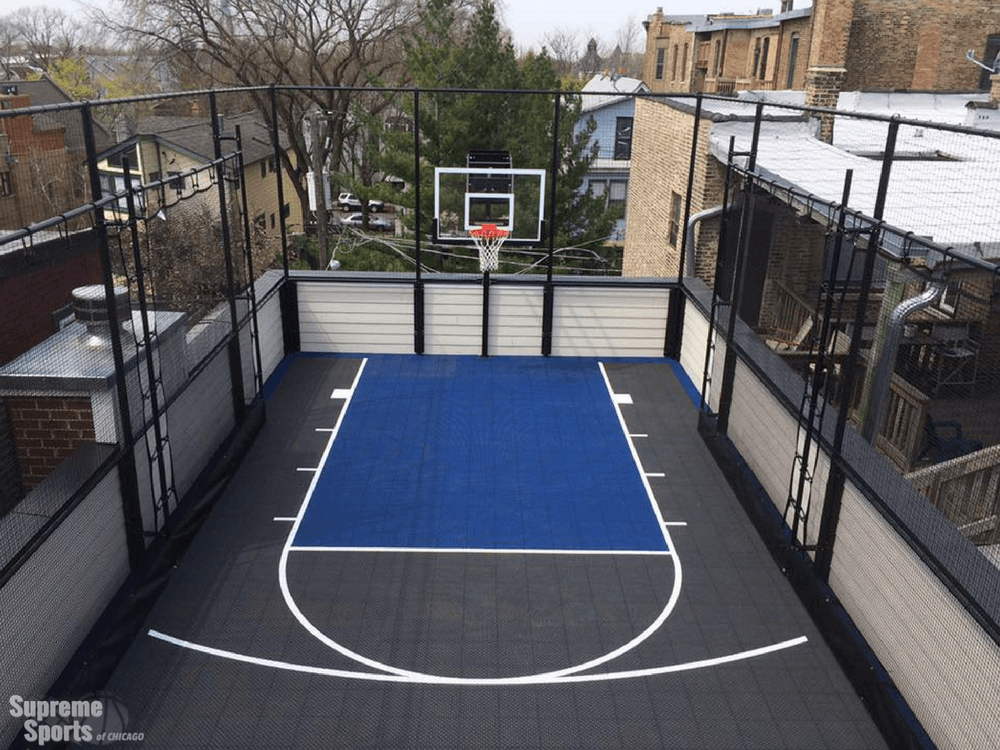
(470, 453)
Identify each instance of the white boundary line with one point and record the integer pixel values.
(416, 678)
(488, 550)
(388, 673)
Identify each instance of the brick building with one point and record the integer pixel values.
(853, 45)
(41, 155)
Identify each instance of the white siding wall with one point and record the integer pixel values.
(626, 322)
(374, 318)
(453, 319)
(515, 320)
(58, 594)
(947, 669)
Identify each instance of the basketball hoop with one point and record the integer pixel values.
(488, 239)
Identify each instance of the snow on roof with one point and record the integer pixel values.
(942, 184)
(602, 90)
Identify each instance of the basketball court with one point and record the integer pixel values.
(456, 552)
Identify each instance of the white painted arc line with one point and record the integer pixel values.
(341, 649)
(675, 592)
(283, 562)
(487, 551)
(474, 681)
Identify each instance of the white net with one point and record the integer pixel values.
(488, 239)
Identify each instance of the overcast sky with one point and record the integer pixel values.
(531, 20)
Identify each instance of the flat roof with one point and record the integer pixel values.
(942, 185)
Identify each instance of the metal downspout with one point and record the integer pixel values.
(708, 213)
(887, 360)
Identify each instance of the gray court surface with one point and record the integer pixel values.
(704, 648)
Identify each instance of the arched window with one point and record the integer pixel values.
(673, 72)
(717, 67)
(763, 58)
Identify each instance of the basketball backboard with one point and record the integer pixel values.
(468, 197)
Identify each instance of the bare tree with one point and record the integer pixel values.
(46, 34)
(564, 48)
(288, 43)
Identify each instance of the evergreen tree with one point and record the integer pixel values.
(473, 57)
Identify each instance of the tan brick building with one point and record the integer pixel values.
(878, 44)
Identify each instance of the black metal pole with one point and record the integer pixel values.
(743, 249)
(548, 291)
(819, 370)
(126, 463)
(833, 498)
(235, 356)
(251, 278)
(486, 314)
(152, 378)
(675, 314)
(279, 177)
(418, 283)
(720, 252)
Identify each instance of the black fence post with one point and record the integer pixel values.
(675, 311)
(127, 477)
(235, 357)
(418, 283)
(548, 292)
(743, 249)
(251, 277)
(834, 496)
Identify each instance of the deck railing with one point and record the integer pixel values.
(903, 428)
(790, 317)
(967, 490)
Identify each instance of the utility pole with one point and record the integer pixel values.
(317, 127)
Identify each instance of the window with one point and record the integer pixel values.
(763, 58)
(263, 168)
(623, 138)
(673, 72)
(675, 219)
(717, 65)
(272, 221)
(660, 54)
(684, 63)
(948, 301)
(756, 59)
(6, 185)
(793, 53)
(617, 191)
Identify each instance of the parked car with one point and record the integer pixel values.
(375, 223)
(351, 202)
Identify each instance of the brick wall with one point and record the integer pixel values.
(32, 289)
(831, 29)
(669, 37)
(661, 152)
(46, 431)
(918, 44)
